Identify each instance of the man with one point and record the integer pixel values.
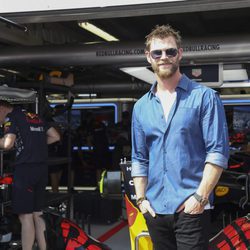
(30, 135)
(179, 149)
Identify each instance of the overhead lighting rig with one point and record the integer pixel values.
(97, 31)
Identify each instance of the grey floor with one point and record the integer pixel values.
(119, 241)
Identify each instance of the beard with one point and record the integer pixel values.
(165, 73)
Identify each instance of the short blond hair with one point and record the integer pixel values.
(162, 32)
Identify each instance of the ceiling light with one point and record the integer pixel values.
(142, 73)
(10, 71)
(97, 31)
(87, 95)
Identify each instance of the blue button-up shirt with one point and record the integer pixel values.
(173, 153)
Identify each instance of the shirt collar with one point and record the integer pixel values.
(183, 84)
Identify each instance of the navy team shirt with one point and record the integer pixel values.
(31, 139)
(173, 153)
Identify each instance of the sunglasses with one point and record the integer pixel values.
(157, 54)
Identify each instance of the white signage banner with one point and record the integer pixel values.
(11, 6)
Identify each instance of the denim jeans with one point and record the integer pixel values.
(179, 231)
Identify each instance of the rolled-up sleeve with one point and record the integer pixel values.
(215, 130)
(140, 159)
(217, 159)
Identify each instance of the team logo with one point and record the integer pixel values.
(196, 72)
(31, 115)
(7, 124)
(32, 118)
(221, 191)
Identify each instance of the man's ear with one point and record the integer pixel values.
(148, 56)
(180, 53)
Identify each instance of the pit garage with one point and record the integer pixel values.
(87, 85)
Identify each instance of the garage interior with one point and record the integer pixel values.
(35, 43)
(51, 53)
